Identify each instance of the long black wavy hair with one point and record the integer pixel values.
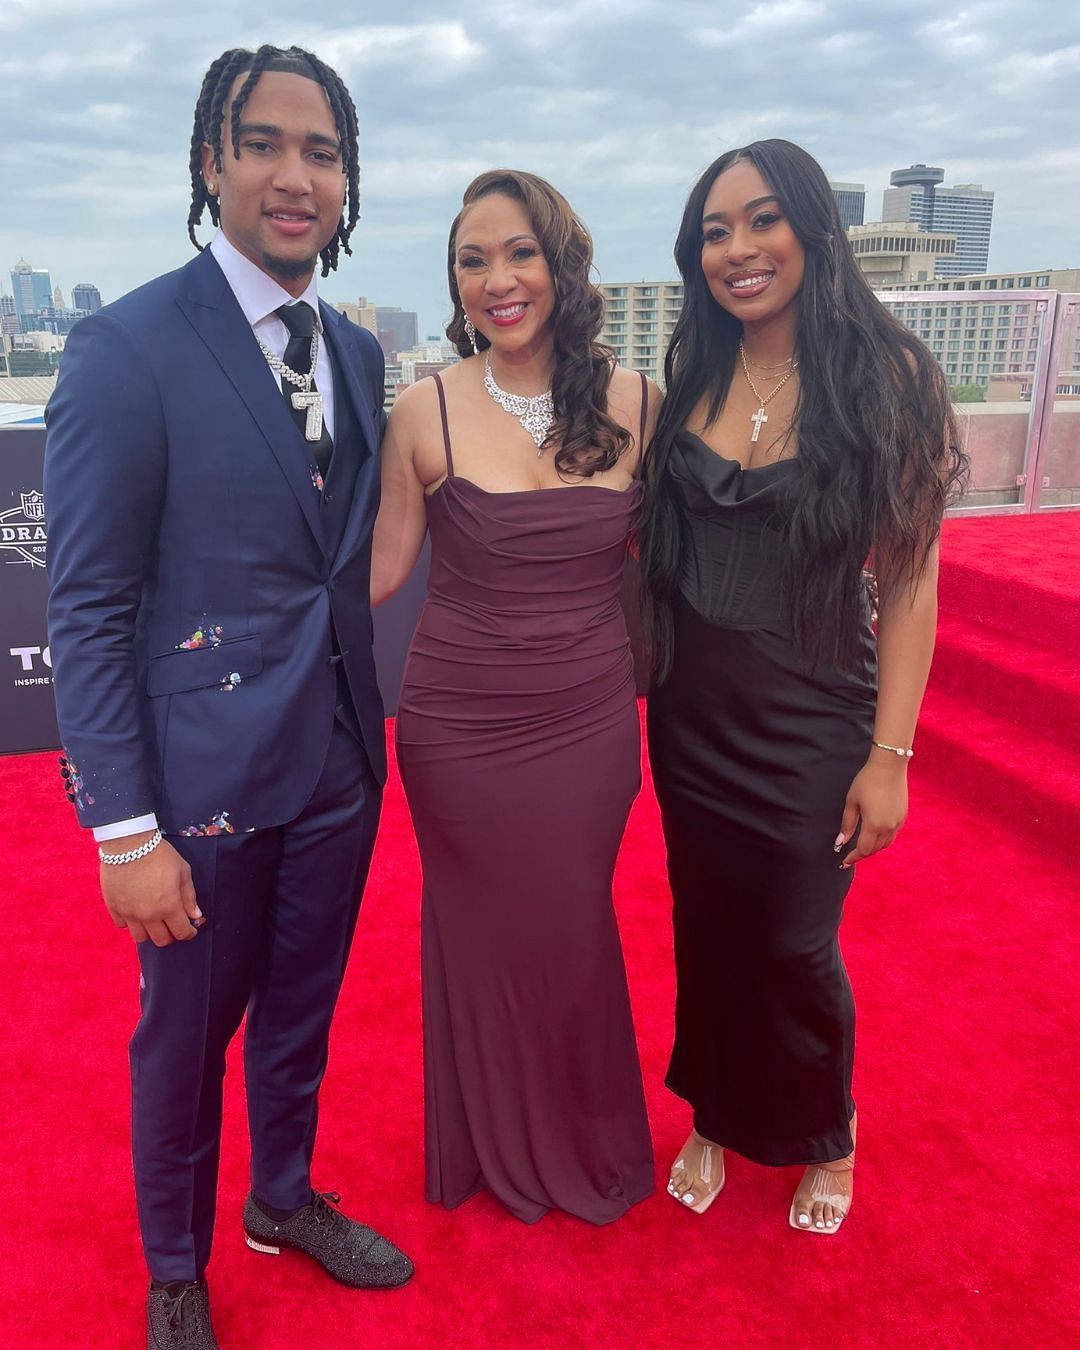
(879, 453)
(210, 118)
(588, 440)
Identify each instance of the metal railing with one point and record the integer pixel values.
(1013, 360)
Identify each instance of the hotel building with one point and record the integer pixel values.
(639, 319)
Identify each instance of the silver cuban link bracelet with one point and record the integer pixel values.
(133, 854)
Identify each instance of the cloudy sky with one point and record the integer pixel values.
(619, 102)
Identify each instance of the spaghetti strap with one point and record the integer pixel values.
(644, 413)
(446, 425)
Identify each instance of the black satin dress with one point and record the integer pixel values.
(752, 756)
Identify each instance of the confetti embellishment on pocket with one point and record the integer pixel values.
(206, 635)
(219, 824)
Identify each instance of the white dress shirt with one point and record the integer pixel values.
(258, 295)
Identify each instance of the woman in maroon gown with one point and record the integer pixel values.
(517, 729)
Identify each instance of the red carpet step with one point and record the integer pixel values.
(1010, 774)
(1018, 574)
(1000, 727)
(1024, 683)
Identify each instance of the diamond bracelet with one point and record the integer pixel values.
(133, 854)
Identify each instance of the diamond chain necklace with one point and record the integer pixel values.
(761, 416)
(305, 399)
(535, 414)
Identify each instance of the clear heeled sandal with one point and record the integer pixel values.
(820, 1186)
(704, 1176)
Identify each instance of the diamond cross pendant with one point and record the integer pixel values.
(312, 401)
(757, 418)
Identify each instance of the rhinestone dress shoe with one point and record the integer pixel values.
(178, 1318)
(349, 1251)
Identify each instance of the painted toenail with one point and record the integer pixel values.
(819, 1224)
(804, 1219)
(688, 1199)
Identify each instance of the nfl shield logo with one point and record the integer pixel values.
(33, 505)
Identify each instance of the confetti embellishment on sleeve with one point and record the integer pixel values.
(74, 787)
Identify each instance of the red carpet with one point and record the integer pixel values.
(958, 943)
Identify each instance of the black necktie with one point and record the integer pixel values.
(299, 319)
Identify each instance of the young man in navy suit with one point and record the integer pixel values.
(211, 484)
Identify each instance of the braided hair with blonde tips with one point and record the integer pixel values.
(209, 123)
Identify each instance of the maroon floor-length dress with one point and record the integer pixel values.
(518, 741)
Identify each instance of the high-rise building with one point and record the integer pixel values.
(396, 329)
(966, 210)
(851, 202)
(85, 298)
(911, 197)
(639, 319)
(32, 287)
(362, 314)
(9, 320)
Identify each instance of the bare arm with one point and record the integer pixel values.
(907, 621)
(402, 520)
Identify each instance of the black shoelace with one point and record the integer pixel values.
(175, 1307)
(322, 1211)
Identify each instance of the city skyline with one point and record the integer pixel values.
(620, 103)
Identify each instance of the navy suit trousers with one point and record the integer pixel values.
(281, 907)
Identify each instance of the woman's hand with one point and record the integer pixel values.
(878, 797)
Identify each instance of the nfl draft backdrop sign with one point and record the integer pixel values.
(27, 715)
(27, 718)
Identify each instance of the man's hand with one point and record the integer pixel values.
(152, 897)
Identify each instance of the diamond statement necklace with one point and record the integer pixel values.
(535, 414)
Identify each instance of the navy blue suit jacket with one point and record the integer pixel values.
(180, 502)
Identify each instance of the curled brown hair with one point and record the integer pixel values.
(589, 440)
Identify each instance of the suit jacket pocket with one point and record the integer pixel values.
(178, 671)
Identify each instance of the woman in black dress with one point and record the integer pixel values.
(805, 432)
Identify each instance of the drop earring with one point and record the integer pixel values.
(470, 333)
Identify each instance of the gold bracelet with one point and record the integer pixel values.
(895, 749)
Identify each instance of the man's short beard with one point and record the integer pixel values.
(289, 268)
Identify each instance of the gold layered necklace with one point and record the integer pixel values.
(760, 417)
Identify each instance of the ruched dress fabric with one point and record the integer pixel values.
(519, 745)
(752, 756)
